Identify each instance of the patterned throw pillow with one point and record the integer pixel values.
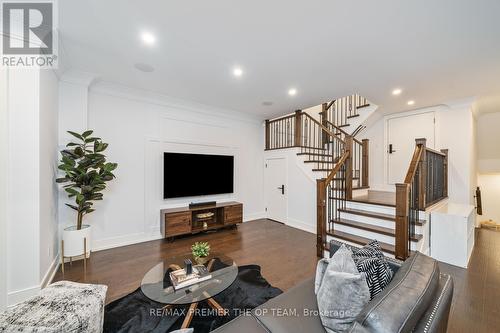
(370, 261)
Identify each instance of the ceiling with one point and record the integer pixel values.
(434, 50)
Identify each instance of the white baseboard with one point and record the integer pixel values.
(51, 272)
(301, 225)
(15, 297)
(254, 216)
(112, 242)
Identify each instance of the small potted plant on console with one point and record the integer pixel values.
(200, 251)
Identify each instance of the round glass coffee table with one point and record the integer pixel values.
(156, 284)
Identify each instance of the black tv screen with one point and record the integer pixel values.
(187, 175)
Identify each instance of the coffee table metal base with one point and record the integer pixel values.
(192, 308)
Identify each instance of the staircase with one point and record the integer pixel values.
(372, 216)
(347, 210)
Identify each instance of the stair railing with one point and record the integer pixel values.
(336, 153)
(359, 152)
(339, 111)
(425, 183)
(330, 197)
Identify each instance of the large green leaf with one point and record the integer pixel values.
(76, 135)
(87, 133)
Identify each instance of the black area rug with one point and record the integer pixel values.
(137, 313)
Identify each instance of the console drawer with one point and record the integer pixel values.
(233, 214)
(177, 223)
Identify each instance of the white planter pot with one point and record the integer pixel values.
(74, 239)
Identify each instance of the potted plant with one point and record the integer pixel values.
(200, 251)
(85, 175)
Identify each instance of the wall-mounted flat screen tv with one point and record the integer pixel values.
(188, 175)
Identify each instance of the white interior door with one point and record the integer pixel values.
(276, 188)
(401, 134)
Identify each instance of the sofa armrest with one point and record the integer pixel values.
(435, 320)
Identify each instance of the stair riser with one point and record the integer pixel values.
(378, 208)
(371, 208)
(371, 235)
(374, 221)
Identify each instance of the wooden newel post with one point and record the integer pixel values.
(324, 121)
(348, 167)
(402, 231)
(422, 182)
(320, 216)
(298, 128)
(268, 134)
(445, 172)
(365, 163)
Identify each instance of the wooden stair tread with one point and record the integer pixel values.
(363, 106)
(360, 240)
(353, 116)
(345, 125)
(382, 216)
(360, 188)
(315, 154)
(373, 228)
(336, 178)
(372, 201)
(321, 169)
(319, 161)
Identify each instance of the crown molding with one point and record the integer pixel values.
(146, 96)
(79, 77)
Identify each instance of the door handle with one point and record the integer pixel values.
(390, 149)
(282, 188)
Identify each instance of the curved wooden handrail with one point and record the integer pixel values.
(336, 127)
(337, 167)
(434, 151)
(412, 169)
(323, 127)
(282, 118)
(329, 105)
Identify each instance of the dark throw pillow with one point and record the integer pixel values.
(371, 262)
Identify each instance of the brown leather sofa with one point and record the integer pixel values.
(418, 299)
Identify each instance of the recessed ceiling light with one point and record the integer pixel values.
(396, 92)
(237, 71)
(148, 38)
(411, 102)
(292, 92)
(267, 103)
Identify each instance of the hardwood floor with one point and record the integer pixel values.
(476, 297)
(288, 256)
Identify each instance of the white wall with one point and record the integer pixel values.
(48, 138)
(454, 131)
(23, 184)
(488, 139)
(490, 192)
(139, 127)
(4, 154)
(488, 157)
(31, 220)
